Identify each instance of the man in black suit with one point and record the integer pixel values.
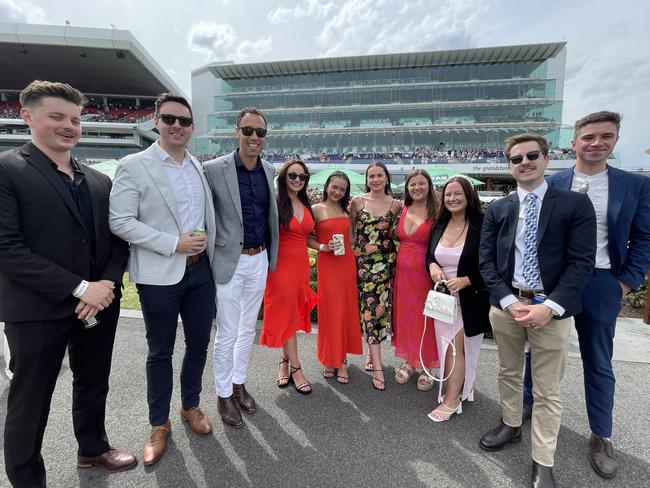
(60, 276)
(537, 252)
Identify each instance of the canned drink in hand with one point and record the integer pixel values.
(339, 251)
(90, 323)
(198, 232)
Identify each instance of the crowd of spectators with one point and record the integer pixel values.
(93, 111)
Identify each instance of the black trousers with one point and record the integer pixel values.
(38, 349)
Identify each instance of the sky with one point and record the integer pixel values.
(608, 42)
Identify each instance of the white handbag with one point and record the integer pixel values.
(439, 305)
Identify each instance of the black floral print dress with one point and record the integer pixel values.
(375, 254)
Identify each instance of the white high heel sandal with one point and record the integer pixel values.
(449, 411)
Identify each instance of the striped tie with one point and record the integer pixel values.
(531, 267)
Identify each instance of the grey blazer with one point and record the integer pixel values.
(143, 212)
(221, 174)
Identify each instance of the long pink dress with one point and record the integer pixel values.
(448, 258)
(412, 284)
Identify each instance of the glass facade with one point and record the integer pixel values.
(472, 106)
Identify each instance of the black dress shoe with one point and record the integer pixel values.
(230, 414)
(497, 438)
(542, 476)
(244, 399)
(601, 457)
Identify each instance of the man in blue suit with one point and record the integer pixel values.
(622, 204)
(537, 252)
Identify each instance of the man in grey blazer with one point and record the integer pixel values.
(161, 205)
(245, 248)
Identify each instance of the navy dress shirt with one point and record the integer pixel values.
(254, 195)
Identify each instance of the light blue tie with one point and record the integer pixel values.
(531, 267)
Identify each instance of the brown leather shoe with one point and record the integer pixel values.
(199, 422)
(113, 460)
(602, 457)
(497, 438)
(542, 476)
(156, 444)
(230, 414)
(244, 399)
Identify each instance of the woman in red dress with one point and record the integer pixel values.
(288, 298)
(339, 331)
(412, 282)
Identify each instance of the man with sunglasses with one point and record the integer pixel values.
(161, 205)
(246, 247)
(537, 251)
(622, 203)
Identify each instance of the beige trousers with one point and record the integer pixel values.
(548, 359)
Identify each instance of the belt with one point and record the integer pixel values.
(251, 251)
(525, 293)
(195, 258)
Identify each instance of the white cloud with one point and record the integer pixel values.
(13, 11)
(380, 26)
(308, 8)
(220, 42)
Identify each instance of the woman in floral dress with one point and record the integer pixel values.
(373, 215)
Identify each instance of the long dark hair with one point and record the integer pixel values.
(432, 200)
(343, 202)
(387, 189)
(473, 203)
(285, 209)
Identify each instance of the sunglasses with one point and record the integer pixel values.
(171, 120)
(300, 176)
(248, 131)
(531, 156)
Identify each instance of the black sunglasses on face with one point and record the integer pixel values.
(171, 120)
(300, 176)
(248, 131)
(531, 156)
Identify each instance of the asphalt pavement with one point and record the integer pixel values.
(346, 435)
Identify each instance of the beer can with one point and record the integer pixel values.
(339, 251)
(90, 323)
(198, 232)
(538, 298)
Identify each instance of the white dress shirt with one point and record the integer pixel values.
(187, 188)
(518, 280)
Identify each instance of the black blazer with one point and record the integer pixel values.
(566, 237)
(475, 299)
(44, 248)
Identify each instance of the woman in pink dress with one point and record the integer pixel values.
(452, 257)
(412, 281)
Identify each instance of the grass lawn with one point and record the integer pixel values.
(129, 295)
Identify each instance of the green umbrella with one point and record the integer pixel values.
(321, 176)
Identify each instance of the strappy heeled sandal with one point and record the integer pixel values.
(283, 381)
(344, 380)
(299, 388)
(382, 383)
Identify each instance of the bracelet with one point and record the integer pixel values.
(80, 289)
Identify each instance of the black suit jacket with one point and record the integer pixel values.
(475, 299)
(44, 248)
(566, 237)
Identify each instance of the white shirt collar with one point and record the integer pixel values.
(540, 191)
(165, 157)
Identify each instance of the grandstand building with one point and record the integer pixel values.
(417, 104)
(117, 75)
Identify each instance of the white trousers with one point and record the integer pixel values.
(238, 304)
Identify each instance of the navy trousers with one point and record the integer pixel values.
(194, 299)
(596, 326)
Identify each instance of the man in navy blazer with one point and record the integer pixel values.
(537, 252)
(622, 203)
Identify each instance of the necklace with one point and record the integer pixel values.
(460, 234)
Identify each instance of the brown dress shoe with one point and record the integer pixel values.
(244, 399)
(199, 422)
(113, 460)
(230, 414)
(602, 457)
(156, 444)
